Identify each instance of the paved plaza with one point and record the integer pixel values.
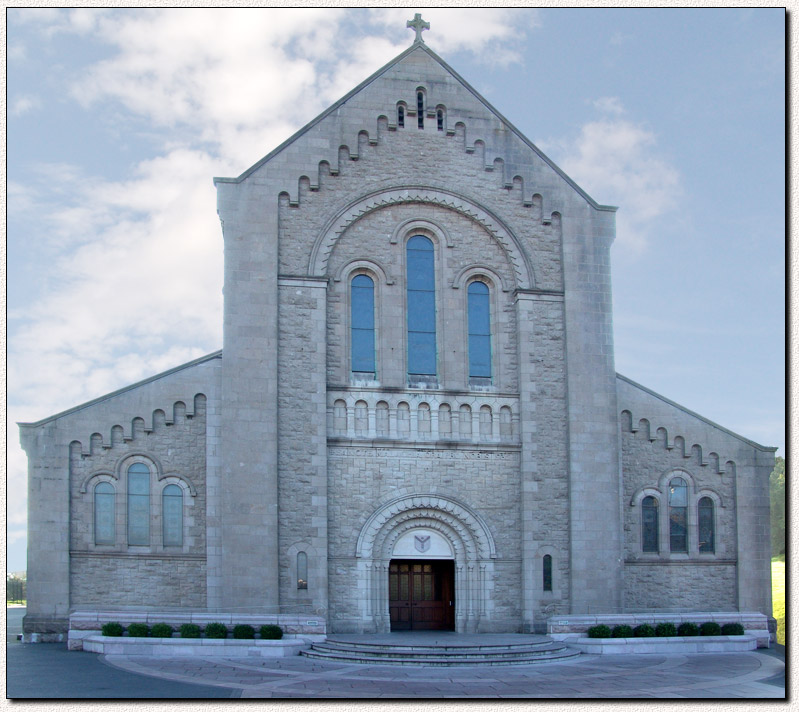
(48, 670)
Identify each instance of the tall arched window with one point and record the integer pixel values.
(479, 331)
(362, 320)
(401, 116)
(707, 544)
(172, 511)
(547, 572)
(678, 515)
(421, 307)
(302, 570)
(139, 505)
(104, 513)
(420, 109)
(649, 525)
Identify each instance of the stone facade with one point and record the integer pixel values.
(305, 480)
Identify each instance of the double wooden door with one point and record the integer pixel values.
(421, 595)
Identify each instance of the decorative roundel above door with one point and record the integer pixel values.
(422, 544)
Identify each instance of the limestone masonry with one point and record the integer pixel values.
(415, 420)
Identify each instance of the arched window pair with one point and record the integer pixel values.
(678, 521)
(420, 318)
(138, 510)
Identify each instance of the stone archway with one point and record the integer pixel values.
(471, 545)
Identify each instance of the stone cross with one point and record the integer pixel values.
(419, 25)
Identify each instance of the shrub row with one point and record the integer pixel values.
(665, 630)
(192, 630)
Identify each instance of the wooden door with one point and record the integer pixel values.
(421, 595)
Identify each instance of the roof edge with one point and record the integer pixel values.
(420, 45)
(752, 443)
(132, 386)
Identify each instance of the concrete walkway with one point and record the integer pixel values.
(731, 675)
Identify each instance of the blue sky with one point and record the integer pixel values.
(118, 119)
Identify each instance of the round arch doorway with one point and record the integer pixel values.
(421, 582)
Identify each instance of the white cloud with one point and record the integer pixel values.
(618, 162)
(23, 104)
(609, 105)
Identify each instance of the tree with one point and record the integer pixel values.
(777, 492)
(15, 586)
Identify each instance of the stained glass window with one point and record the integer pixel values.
(302, 570)
(421, 307)
(547, 572)
(104, 513)
(172, 510)
(649, 524)
(479, 331)
(678, 515)
(139, 505)
(707, 544)
(362, 307)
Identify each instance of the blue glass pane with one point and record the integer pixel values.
(480, 356)
(363, 308)
(104, 519)
(363, 350)
(678, 493)
(105, 488)
(173, 515)
(138, 519)
(479, 311)
(421, 353)
(138, 481)
(139, 467)
(422, 311)
(361, 280)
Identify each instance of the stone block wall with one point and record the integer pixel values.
(171, 443)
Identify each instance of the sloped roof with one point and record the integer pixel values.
(417, 47)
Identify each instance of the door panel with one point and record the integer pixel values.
(421, 595)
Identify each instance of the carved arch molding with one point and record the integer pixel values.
(517, 258)
(471, 541)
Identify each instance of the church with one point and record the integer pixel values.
(415, 422)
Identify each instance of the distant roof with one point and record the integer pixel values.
(764, 448)
(107, 396)
(417, 47)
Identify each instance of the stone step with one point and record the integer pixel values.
(526, 653)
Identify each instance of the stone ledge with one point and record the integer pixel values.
(664, 646)
(194, 647)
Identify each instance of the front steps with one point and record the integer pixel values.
(426, 649)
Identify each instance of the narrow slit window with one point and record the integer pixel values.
(401, 117)
(707, 544)
(421, 307)
(302, 571)
(172, 499)
(678, 515)
(104, 513)
(649, 525)
(420, 109)
(362, 306)
(440, 119)
(547, 572)
(479, 330)
(139, 505)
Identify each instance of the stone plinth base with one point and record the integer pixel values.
(194, 647)
(664, 646)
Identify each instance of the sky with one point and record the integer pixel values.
(117, 120)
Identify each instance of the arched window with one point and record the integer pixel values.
(444, 421)
(465, 421)
(547, 572)
(678, 515)
(707, 544)
(401, 116)
(479, 331)
(302, 570)
(403, 420)
(423, 420)
(104, 513)
(172, 511)
(421, 307)
(381, 419)
(362, 321)
(486, 422)
(649, 525)
(440, 119)
(139, 505)
(420, 109)
(505, 423)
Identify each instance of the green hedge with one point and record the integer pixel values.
(271, 632)
(138, 630)
(161, 630)
(644, 631)
(190, 630)
(732, 629)
(665, 630)
(113, 630)
(243, 632)
(688, 628)
(599, 631)
(710, 628)
(216, 630)
(622, 631)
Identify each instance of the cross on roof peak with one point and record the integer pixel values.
(419, 25)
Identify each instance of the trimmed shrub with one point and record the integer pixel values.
(138, 630)
(113, 630)
(732, 629)
(665, 630)
(622, 631)
(243, 632)
(190, 630)
(271, 632)
(710, 628)
(688, 628)
(599, 631)
(161, 630)
(216, 630)
(643, 631)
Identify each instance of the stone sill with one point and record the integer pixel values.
(663, 646)
(194, 647)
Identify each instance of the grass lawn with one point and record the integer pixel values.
(778, 597)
